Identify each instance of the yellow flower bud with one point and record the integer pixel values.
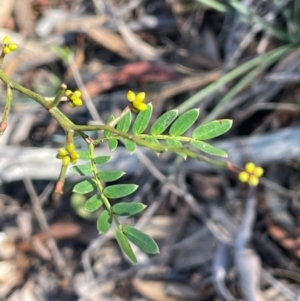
(66, 160)
(74, 156)
(251, 174)
(12, 46)
(137, 101)
(70, 147)
(62, 152)
(250, 166)
(253, 180)
(68, 92)
(243, 176)
(73, 161)
(6, 40)
(77, 102)
(140, 97)
(140, 106)
(78, 93)
(130, 96)
(258, 171)
(6, 50)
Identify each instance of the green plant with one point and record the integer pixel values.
(289, 29)
(165, 134)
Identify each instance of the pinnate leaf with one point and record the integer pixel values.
(119, 190)
(104, 221)
(110, 175)
(141, 240)
(125, 246)
(127, 209)
(85, 186)
(82, 170)
(184, 122)
(93, 203)
(142, 120)
(124, 124)
(162, 123)
(207, 148)
(130, 145)
(102, 160)
(212, 129)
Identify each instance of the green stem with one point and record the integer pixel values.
(61, 180)
(37, 97)
(2, 56)
(59, 95)
(3, 123)
(98, 182)
(117, 119)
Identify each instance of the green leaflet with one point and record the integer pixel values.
(212, 129)
(127, 209)
(125, 246)
(162, 123)
(130, 145)
(141, 240)
(152, 140)
(104, 221)
(108, 133)
(174, 142)
(184, 122)
(84, 155)
(142, 120)
(207, 148)
(85, 186)
(102, 160)
(110, 175)
(112, 144)
(119, 190)
(124, 124)
(82, 170)
(93, 203)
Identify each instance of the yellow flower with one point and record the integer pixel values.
(137, 101)
(8, 46)
(74, 98)
(251, 174)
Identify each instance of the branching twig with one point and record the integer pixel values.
(39, 213)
